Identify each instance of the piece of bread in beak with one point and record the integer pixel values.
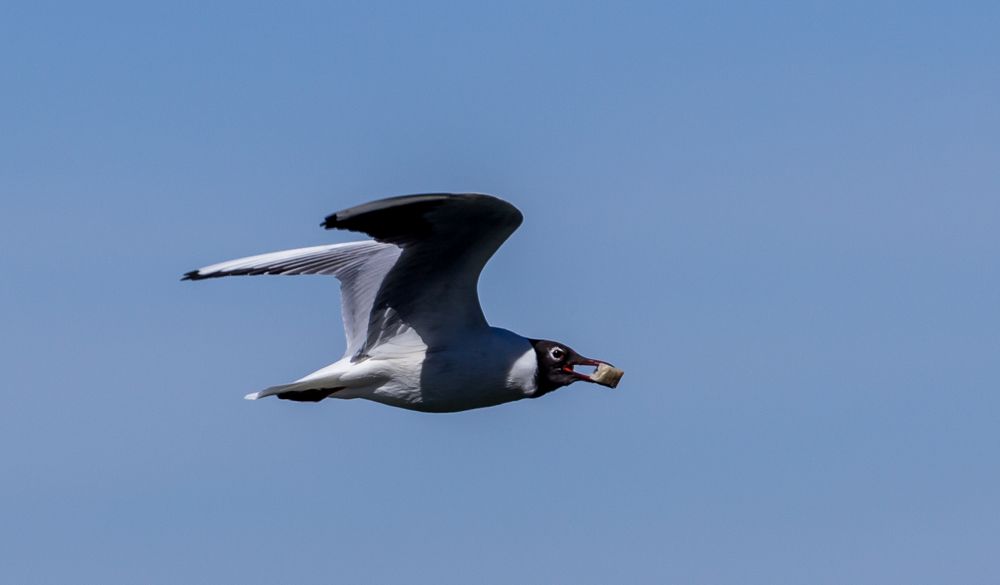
(607, 375)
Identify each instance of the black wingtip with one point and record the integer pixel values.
(193, 275)
(330, 222)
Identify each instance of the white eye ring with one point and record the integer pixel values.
(557, 353)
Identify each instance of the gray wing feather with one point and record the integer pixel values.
(360, 267)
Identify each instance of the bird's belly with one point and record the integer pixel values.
(473, 375)
(444, 394)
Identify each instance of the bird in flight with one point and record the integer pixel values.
(416, 334)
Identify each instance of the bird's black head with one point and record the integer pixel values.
(555, 366)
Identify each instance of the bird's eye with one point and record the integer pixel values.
(557, 353)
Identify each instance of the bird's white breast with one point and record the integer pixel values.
(522, 375)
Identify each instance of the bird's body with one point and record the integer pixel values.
(416, 335)
(408, 374)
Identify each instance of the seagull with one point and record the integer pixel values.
(416, 334)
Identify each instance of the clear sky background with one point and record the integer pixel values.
(781, 219)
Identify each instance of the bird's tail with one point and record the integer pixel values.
(298, 391)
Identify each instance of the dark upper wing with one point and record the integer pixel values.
(446, 239)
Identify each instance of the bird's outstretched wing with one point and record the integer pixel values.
(360, 267)
(446, 239)
(420, 273)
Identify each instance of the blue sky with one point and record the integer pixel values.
(781, 219)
